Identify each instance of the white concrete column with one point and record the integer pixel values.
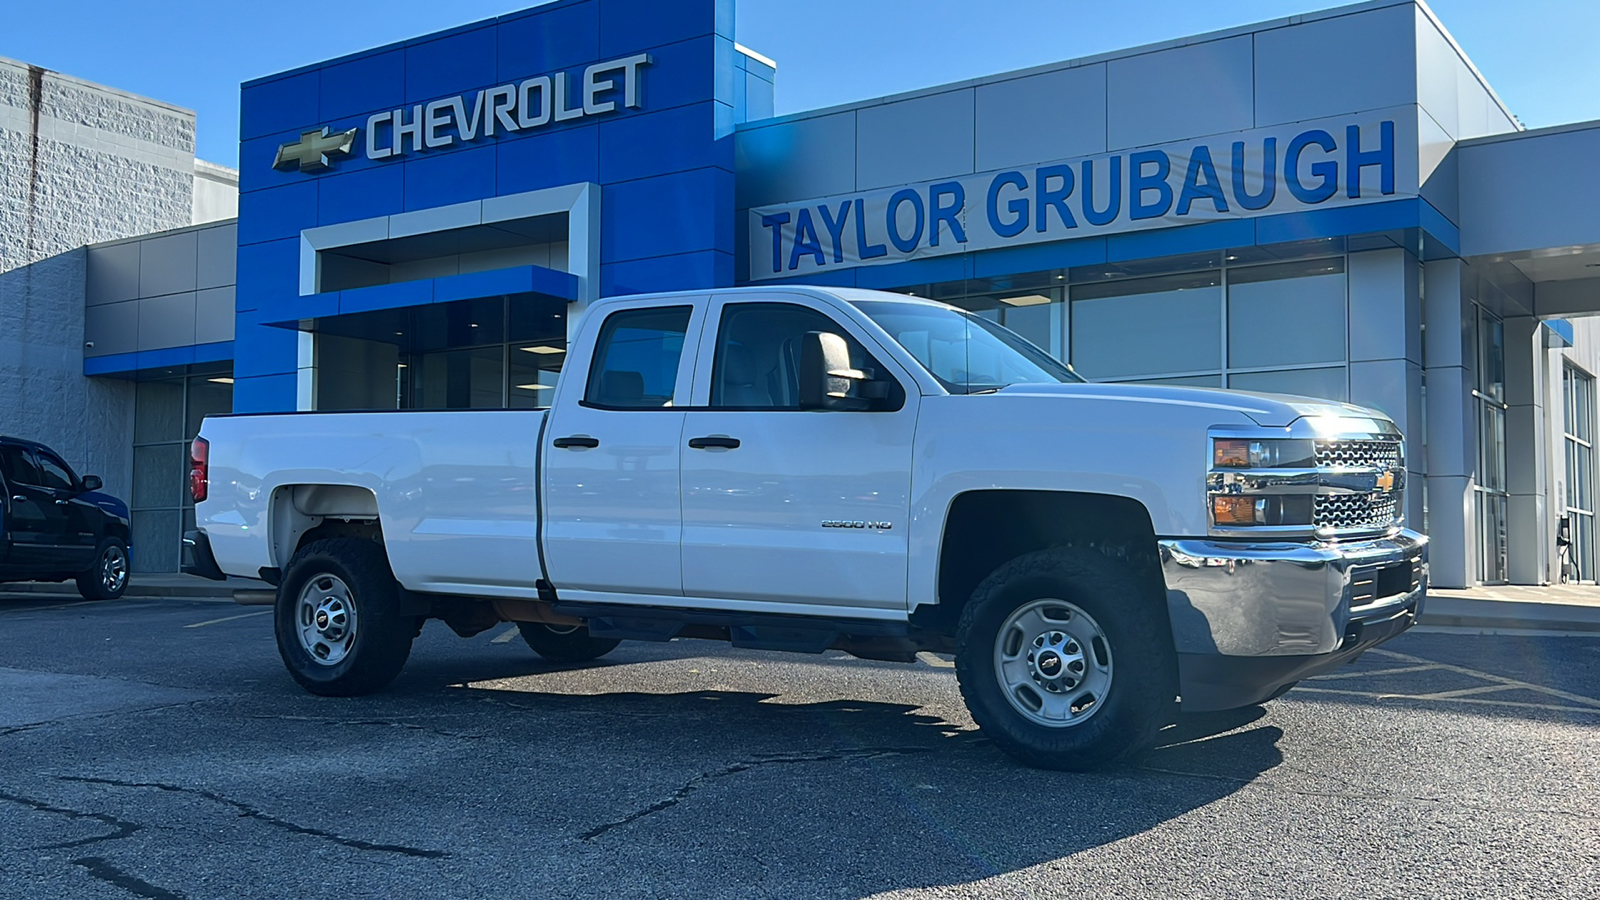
(1451, 437)
(1386, 350)
(1526, 544)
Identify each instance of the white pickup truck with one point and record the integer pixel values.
(802, 469)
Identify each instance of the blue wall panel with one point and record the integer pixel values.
(260, 273)
(268, 393)
(277, 213)
(361, 194)
(682, 138)
(281, 104)
(446, 66)
(667, 215)
(546, 39)
(678, 74)
(264, 349)
(566, 156)
(680, 272)
(363, 86)
(453, 177)
(628, 26)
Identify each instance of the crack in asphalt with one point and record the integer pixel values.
(90, 717)
(123, 827)
(104, 871)
(698, 781)
(411, 726)
(249, 812)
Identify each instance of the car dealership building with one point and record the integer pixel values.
(1334, 204)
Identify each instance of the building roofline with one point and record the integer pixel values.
(1140, 50)
(84, 82)
(1591, 125)
(216, 223)
(540, 7)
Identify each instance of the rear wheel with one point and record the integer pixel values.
(108, 577)
(565, 643)
(1065, 660)
(336, 619)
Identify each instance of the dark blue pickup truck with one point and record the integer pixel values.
(55, 526)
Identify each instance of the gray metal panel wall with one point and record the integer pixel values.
(1180, 93)
(164, 290)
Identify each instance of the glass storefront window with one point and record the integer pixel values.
(1490, 487)
(167, 414)
(1169, 325)
(1263, 300)
(1578, 395)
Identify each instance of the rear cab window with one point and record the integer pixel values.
(636, 358)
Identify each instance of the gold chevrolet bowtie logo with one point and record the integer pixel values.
(1386, 482)
(315, 150)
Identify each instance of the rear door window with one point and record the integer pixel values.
(636, 358)
(18, 466)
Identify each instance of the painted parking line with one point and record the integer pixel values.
(1500, 679)
(28, 609)
(1472, 695)
(259, 612)
(505, 637)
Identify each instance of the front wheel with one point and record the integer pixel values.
(337, 619)
(1065, 660)
(565, 643)
(108, 577)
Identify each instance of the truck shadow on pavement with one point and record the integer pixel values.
(834, 797)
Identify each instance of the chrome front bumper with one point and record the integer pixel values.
(1267, 599)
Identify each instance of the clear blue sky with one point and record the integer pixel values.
(1538, 54)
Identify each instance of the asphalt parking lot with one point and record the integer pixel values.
(155, 748)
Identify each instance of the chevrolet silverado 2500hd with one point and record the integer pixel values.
(804, 469)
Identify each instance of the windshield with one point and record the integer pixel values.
(966, 353)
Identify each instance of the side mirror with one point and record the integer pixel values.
(92, 483)
(826, 379)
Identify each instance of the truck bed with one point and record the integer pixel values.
(457, 492)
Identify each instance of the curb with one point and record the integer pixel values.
(1460, 612)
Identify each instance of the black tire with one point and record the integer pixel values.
(567, 644)
(108, 577)
(362, 658)
(1140, 681)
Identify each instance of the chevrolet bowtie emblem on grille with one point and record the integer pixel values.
(315, 150)
(1386, 482)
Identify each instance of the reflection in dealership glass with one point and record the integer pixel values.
(966, 353)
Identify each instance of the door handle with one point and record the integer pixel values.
(63, 502)
(577, 440)
(19, 498)
(715, 440)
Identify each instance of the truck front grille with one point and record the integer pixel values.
(1345, 512)
(1351, 454)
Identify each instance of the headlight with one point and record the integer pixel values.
(1246, 509)
(1283, 453)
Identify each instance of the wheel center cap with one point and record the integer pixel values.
(1049, 664)
(322, 619)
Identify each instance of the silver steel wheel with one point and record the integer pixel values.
(325, 616)
(1053, 662)
(113, 568)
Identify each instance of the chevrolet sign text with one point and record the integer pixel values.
(509, 108)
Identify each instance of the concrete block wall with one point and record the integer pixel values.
(79, 163)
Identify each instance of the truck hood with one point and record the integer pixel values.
(1266, 410)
